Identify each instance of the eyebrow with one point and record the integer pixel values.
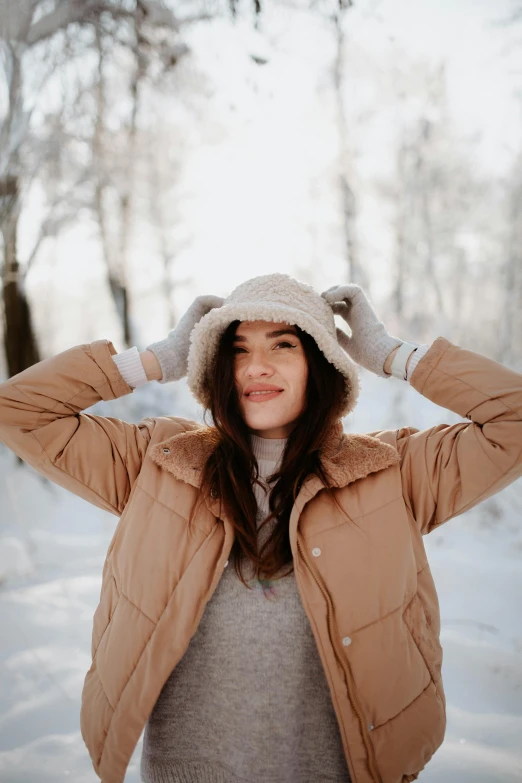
(268, 335)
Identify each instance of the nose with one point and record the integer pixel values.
(258, 365)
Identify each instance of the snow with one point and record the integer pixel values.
(53, 546)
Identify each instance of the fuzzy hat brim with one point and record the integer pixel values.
(205, 337)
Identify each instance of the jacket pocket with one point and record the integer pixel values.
(425, 639)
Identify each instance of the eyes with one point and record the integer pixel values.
(284, 344)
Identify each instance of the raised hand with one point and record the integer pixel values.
(369, 344)
(172, 352)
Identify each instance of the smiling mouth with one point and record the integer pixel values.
(261, 396)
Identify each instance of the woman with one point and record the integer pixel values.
(316, 656)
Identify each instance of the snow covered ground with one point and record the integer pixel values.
(52, 548)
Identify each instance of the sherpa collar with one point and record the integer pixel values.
(345, 456)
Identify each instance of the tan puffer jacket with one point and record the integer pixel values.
(363, 577)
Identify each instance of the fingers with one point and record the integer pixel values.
(340, 293)
(341, 308)
(329, 290)
(209, 302)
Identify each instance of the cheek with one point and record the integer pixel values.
(238, 380)
(301, 380)
(303, 392)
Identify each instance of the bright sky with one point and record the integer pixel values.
(484, 73)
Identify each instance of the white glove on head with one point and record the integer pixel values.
(369, 344)
(172, 352)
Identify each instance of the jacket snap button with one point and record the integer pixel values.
(347, 641)
(213, 492)
(316, 551)
(166, 451)
(370, 726)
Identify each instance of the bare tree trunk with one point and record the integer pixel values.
(510, 328)
(113, 260)
(119, 285)
(98, 150)
(119, 280)
(21, 349)
(426, 217)
(400, 265)
(400, 236)
(458, 284)
(355, 272)
(158, 220)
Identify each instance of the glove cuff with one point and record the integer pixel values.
(379, 348)
(398, 366)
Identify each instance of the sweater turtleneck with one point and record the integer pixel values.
(268, 452)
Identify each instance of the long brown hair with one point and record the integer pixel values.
(232, 468)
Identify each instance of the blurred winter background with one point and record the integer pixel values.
(153, 151)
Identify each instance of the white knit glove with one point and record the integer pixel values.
(172, 352)
(370, 344)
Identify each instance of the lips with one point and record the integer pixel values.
(260, 393)
(257, 397)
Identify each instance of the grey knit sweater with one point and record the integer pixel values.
(249, 701)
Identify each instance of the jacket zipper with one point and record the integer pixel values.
(340, 657)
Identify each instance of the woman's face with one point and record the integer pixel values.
(269, 357)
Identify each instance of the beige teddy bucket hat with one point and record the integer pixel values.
(278, 298)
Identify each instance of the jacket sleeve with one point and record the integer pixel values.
(41, 420)
(449, 468)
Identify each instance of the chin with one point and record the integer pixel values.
(262, 423)
(265, 420)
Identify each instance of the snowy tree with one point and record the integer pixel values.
(142, 50)
(347, 187)
(433, 190)
(38, 40)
